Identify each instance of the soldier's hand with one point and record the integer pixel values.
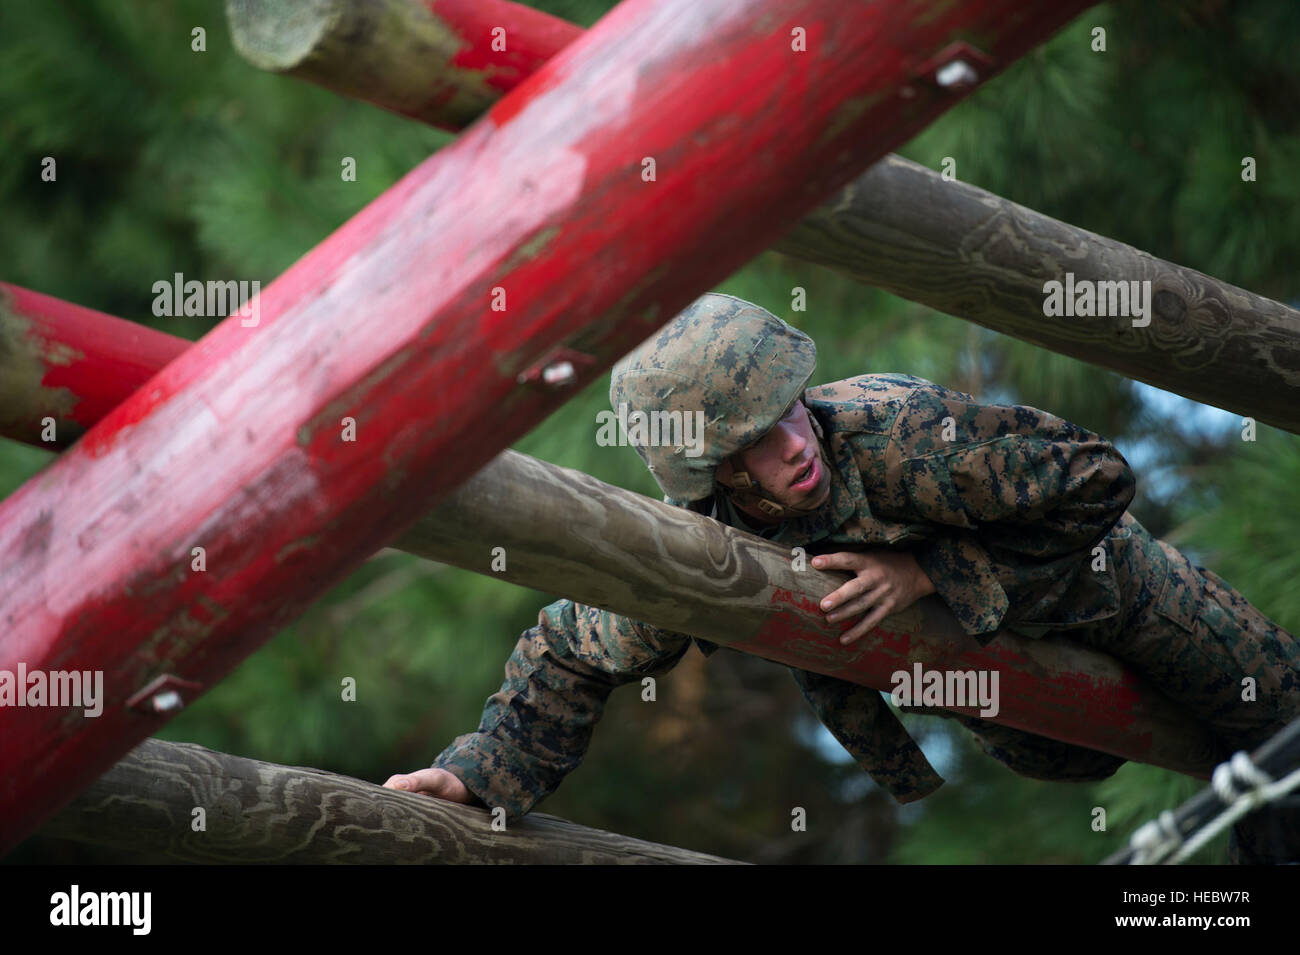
(441, 783)
(885, 582)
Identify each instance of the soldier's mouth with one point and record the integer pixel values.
(807, 477)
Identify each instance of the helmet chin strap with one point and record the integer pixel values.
(748, 492)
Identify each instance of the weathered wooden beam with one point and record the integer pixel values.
(440, 61)
(569, 533)
(566, 532)
(901, 227)
(969, 253)
(259, 813)
(231, 490)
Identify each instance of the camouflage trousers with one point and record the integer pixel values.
(1196, 639)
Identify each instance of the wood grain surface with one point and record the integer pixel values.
(258, 812)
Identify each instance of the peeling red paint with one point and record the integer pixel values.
(800, 601)
(1101, 713)
(505, 110)
(531, 38)
(107, 359)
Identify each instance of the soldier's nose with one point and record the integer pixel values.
(794, 444)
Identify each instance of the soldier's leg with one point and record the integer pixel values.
(1272, 834)
(1034, 756)
(1204, 645)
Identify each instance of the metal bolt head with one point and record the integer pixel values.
(956, 75)
(168, 701)
(559, 373)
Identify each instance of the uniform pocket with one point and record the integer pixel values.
(1183, 592)
(909, 534)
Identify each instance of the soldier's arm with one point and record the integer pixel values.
(1026, 479)
(536, 728)
(1021, 479)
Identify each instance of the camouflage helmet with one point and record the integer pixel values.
(737, 363)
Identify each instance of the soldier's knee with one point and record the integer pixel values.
(1051, 759)
(1038, 757)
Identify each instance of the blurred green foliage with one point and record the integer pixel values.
(176, 161)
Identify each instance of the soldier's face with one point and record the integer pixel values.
(786, 462)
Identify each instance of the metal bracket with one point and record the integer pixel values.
(162, 695)
(559, 369)
(956, 68)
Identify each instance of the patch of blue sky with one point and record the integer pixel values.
(936, 743)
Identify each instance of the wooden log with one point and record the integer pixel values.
(949, 245)
(443, 62)
(969, 253)
(566, 532)
(264, 813)
(225, 495)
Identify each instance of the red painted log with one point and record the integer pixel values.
(237, 446)
(69, 363)
(531, 38)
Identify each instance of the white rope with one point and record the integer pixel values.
(1241, 785)
(1259, 790)
(1156, 839)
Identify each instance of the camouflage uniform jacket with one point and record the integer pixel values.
(1000, 505)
